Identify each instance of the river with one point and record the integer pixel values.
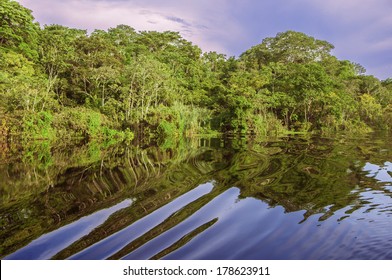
(293, 197)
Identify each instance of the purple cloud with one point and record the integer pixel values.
(360, 30)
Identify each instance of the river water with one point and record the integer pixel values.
(291, 197)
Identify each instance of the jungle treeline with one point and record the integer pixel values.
(58, 82)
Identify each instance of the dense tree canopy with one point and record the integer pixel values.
(54, 77)
(18, 30)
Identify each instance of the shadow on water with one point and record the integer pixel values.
(284, 198)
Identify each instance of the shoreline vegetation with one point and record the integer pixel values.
(58, 83)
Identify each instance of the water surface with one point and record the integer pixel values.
(285, 198)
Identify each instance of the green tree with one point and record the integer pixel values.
(287, 47)
(96, 68)
(371, 110)
(22, 87)
(57, 51)
(18, 31)
(146, 84)
(124, 38)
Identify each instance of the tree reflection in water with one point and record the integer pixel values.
(271, 198)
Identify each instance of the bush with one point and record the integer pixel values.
(167, 129)
(38, 126)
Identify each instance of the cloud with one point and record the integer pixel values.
(179, 20)
(383, 45)
(364, 24)
(351, 9)
(360, 30)
(198, 21)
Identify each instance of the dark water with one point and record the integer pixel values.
(285, 198)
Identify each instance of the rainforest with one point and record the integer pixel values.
(59, 83)
(138, 145)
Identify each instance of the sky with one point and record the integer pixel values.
(360, 30)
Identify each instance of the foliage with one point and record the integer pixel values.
(63, 83)
(38, 126)
(18, 31)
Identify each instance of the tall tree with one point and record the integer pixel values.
(96, 70)
(57, 50)
(18, 31)
(287, 47)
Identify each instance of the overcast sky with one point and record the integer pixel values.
(360, 30)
